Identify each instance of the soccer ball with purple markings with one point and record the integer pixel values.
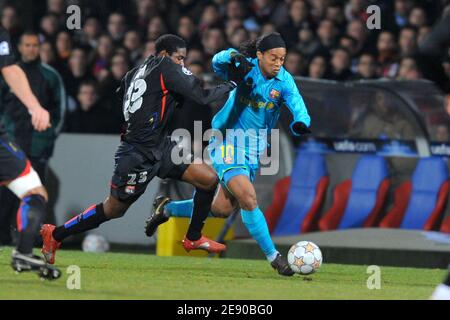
(304, 257)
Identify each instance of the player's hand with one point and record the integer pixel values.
(239, 67)
(40, 118)
(300, 128)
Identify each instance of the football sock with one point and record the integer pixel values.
(181, 208)
(202, 206)
(256, 224)
(29, 218)
(91, 218)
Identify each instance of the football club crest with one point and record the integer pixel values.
(130, 189)
(274, 94)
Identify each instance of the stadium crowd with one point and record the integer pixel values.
(326, 40)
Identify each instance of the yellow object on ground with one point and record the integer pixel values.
(171, 233)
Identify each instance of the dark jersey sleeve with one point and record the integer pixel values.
(180, 80)
(6, 51)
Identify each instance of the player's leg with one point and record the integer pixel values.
(131, 176)
(205, 180)
(89, 219)
(28, 188)
(17, 174)
(29, 219)
(239, 184)
(222, 206)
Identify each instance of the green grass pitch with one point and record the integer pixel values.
(142, 276)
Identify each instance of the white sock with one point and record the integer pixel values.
(273, 256)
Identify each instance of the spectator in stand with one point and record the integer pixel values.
(108, 87)
(294, 63)
(265, 29)
(11, 22)
(178, 8)
(422, 34)
(90, 114)
(49, 27)
(340, 65)
(327, 33)
(418, 17)
(156, 27)
(367, 68)
(239, 36)
(213, 41)
(133, 43)
(387, 54)
(408, 69)
(262, 10)
(116, 27)
(101, 57)
(210, 17)
(63, 47)
(58, 7)
(400, 17)
(232, 25)
(90, 33)
(235, 9)
(407, 41)
(146, 9)
(186, 30)
(76, 73)
(308, 43)
(298, 18)
(194, 54)
(318, 67)
(48, 55)
(335, 12)
(356, 10)
(349, 43)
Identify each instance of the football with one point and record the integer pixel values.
(95, 243)
(305, 257)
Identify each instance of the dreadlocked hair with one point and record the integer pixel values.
(248, 48)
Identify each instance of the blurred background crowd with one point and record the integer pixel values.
(327, 39)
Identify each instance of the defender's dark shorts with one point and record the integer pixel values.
(133, 171)
(13, 160)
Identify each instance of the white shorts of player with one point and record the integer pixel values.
(22, 185)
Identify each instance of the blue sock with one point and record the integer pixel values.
(257, 226)
(181, 208)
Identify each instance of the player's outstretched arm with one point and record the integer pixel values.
(180, 80)
(294, 101)
(18, 82)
